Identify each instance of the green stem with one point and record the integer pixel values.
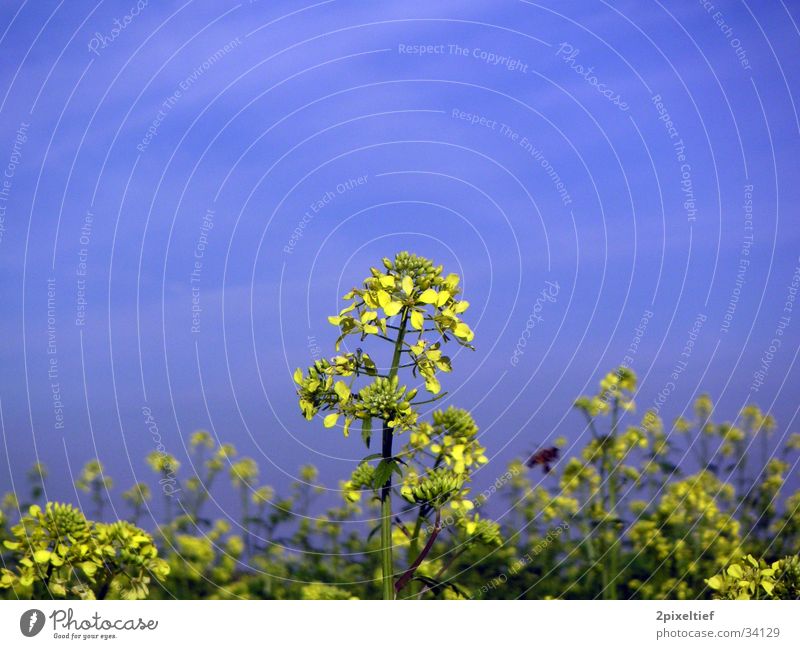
(245, 523)
(386, 521)
(611, 587)
(386, 491)
(611, 590)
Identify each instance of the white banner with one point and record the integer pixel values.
(399, 624)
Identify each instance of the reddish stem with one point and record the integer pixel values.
(409, 574)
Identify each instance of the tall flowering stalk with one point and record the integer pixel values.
(416, 309)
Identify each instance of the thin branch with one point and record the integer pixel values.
(436, 398)
(409, 574)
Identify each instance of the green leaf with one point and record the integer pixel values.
(330, 420)
(366, 430)
(382, 473)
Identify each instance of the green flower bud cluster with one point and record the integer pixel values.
(383, 398)
(456, 422)
(434, 488)
(60, 520)
(59, 553)
(362, 478)
(419, 269)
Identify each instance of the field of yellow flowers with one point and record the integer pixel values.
(692, 508)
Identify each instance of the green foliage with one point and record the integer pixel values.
(639, 509)
(626, 519)
(753, 578)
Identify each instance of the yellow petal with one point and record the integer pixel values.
(330, 420)
(432, 385)
(342, 390)
(383, 298)
(463, 331)
(408, 285)
(428, 297)
(417, 320)
(392, 308)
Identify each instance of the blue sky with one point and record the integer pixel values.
(308, 98)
